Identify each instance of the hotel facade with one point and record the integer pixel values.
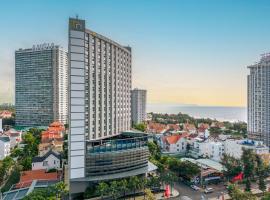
(259, 100)
(101, 145)
(41, 83)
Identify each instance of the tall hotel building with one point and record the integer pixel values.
(101, 145)
(138, 106)
(41, 92)
(259, 100)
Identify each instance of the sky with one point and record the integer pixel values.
(184, 51)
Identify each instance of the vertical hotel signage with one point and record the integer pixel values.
(76, 98)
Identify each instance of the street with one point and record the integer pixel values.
(185, 190)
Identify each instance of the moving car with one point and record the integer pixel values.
(208, 190)
(194, 187)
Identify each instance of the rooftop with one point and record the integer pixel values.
(42, 158)
(28, 176)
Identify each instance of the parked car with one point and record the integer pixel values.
(194, 187)
(208, 190)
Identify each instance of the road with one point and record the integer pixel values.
(185, 190)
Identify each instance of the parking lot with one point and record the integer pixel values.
(185, 190)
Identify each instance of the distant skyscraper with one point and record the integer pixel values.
(100, 147)
(259, 100)
(138, 106)
(41, 85)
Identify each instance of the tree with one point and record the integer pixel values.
(187, 169)
(133, 183)
(154, 182)
(168, 177)
(26, 163)
(248, 159)
(261, 172)
(102, 189)
(149, 195)
(123, 185)
(236, 194)
(140, 127)
(60, 189)
(154, 150)
(114, 190)
(232, 165)
(266, 196)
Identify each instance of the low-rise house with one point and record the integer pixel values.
(15, 137)
(190, 128)
(5, 114)
(207, 149)
(51, 160)
(176, 143)
(4, 147)
(235, 147)
(55, 131)
(54, 145)
(153, 127)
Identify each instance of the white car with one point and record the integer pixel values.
(208, 190)
(194, 187)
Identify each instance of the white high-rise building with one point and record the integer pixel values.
(100, 91)
(259, 100)
(138, 106)
(41, 85)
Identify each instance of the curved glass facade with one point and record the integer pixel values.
(122, 154)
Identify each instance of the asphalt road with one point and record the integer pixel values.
(185, 190)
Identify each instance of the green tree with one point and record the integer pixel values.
(266, 196)
(114, 190)
(261, 173)
(102, 189)
(26, 163)
(232, 165)
(141, 127)
(154, 150)
(149, 195)
(123, 186)
(248, 159)
(60, 190)
(134, 184)
(187, 169)
(236, 194)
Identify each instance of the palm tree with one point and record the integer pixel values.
(102, 189)
(123, 185)
(168, 178)
(144, 183)
(133, 183)
(114, 190)
(61, 189)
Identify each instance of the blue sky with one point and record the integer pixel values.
(184, 51)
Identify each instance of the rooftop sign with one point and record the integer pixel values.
(43, 46)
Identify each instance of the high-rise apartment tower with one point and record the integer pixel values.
(138, 106)
(41, 83)
(259, 100)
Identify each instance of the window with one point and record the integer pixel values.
(45, 163)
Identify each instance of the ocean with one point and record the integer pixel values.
(220, 113)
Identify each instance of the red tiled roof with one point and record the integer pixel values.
(174, 138)
(28, 176)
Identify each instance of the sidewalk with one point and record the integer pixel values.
(159, 196)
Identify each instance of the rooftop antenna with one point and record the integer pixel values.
(77, 16)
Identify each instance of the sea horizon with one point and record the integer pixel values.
(221, 113)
